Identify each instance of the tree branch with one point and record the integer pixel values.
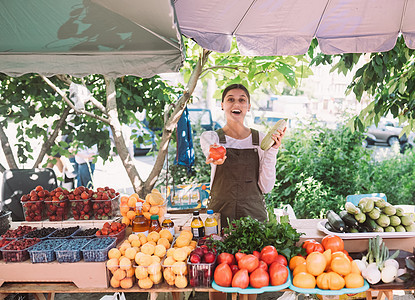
(171, 123)
(119, 141)
(7, 149)
(51, 140)
(69, 102)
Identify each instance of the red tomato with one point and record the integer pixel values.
(313, 246)
(269, 254)
(263, 265)
(332, 242)
(278, 273)
(234, 269)
(257, 254)
(248, 262)
(223, 275)
(226, 258)
(241, 279)
(239, 255)
(281, 259)
(259, 278)
(217, 152)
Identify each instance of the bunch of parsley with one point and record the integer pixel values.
(247, 235)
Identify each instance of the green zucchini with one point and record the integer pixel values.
(267, 141)
(335, 221)
(348, 219)
(351, 208)
(354, 230)
(329, 228)
(370, 224)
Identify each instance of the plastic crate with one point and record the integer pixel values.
(85, 233)
(70, 251)
(10, 255)
(97, 249)
(43, 233)
(58, 234)
(81, 209)
(4, 221)
(201, 274)
(34, 210)
(45, 251)
(120, 235)
(105, 209)
(57, 210)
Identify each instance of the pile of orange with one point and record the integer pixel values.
(327, 271)
(154, 204)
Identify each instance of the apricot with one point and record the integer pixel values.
(148, 248)
(160, 250)
(114, 282)
(126, 283)
(147, 215)
(137, 257)
(130, 253)
(146, 206)
(125, 263)
(130, 272)
(187, 234)
(179, 268)
(169, 261)
(112, 264)
(119, 274)
(156, 278)
(114, 253)
(170, 252)
(182, 241)
(136, 243)
(156, 258)
(154, 268)
(126, 220)
(124, 209)
(143, 238)
(165, 242)
(165, 233)
(133, 237)
(152, 243)
(180, 281)
(131, 215)
(141, 272)
(145, 283)
(169, 275)
(153, 236)
(180, 254)
(145, 260)
(132, 201)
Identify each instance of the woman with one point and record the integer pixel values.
(239, 180)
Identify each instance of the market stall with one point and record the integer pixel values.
(96, 247)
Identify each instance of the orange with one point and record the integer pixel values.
(304, 280)
(300, 268)
(295, 261)
(354, 281)
(316, 263)
(131, 214)
(341, 265)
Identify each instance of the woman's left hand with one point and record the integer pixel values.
(277, 137)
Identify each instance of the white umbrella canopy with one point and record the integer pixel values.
(287, 27)
(81, 37)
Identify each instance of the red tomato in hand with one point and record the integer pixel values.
(248, 262)
(217, 152)
(259, 278)
(332, 242)
(223, 275)
(282, 260)
(278, 273)
(241, 279)
(226, 258)
(269, 254)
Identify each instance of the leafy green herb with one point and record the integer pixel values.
(247, 235)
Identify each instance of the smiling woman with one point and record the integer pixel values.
(241, 176)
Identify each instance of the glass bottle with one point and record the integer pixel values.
(168, 224)
(211, 225)
(154, 224)
(198, 229)
(140, 223)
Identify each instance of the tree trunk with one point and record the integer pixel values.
(116, 129)
(8, 153)
(172, 123)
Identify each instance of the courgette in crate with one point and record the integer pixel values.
(335, 221)
(370, 224)
(348, 219)
(351, 208)
(329, 228)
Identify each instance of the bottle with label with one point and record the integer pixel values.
(211, 225)
(168, 224)
(154, 223)
(198, 229)
(140, 223)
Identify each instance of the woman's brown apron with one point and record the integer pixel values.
(235, 192)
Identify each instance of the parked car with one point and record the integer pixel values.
(387, 131)
(203, 117)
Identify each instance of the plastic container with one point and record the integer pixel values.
(85, 233)
(3, 243)
(171, 274)
(201, 274)
(70, 251)
(64, 233)
(57, 210)
(149, 274)
(120, 235)
(45, 251)
(19, 232)
(105, 209)
(81, 209)
(34, 210)
(4, 221)
(97, 249)
(41, 233)
(115, 273)
(11, 255)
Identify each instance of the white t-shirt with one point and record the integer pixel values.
(267, 159)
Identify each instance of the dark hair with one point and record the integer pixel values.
(233, 87)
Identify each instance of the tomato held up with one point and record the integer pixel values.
(217, 152)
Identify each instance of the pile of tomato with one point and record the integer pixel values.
(257, 270)
(327, 265)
